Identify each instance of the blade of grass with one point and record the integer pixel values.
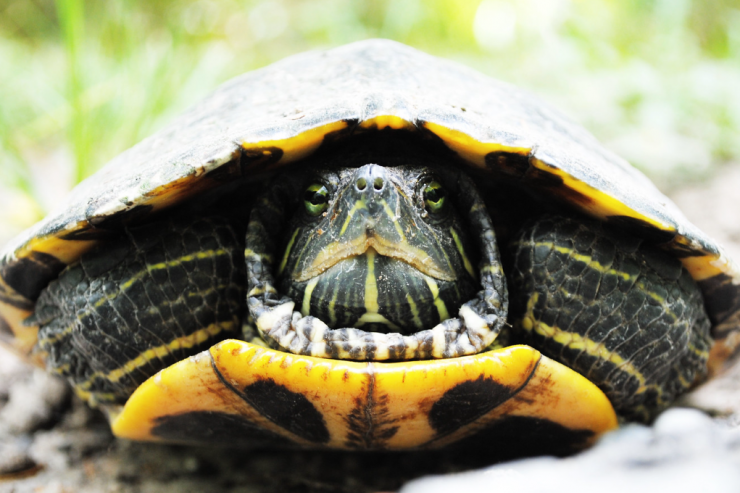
(72, 24)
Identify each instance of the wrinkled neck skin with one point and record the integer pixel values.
(377, 258)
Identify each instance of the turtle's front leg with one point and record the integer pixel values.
(160, 293)
(624, 314)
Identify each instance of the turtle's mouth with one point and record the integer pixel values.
(363, 305)
(454, 337)
(337, 252)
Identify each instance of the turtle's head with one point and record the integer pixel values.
(374, 263)
(378, 248)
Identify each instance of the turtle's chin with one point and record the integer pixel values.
(372, 307)
(286, 329)
(377, 293)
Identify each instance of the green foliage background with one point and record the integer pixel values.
(657, 81)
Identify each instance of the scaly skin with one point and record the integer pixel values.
(395, 271)
(622, 313)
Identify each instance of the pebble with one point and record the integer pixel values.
(684, 451)
(33, 402)
(14, 458)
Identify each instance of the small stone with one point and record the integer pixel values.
(14, 460)
(685, 451)
(719, 396)
(682, 421)
(33, 402)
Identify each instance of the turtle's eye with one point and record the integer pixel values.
(434, 197)
(316, 199)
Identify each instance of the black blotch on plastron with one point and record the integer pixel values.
(641, 229)
(515, 165)
(215, 428)
(467, 402)
(515, 437)
(288, 409)
(29, 275)
(721, 296)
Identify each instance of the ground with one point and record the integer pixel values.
(50, 442)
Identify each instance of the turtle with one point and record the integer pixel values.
(371, 248)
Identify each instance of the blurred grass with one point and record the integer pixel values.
(71, 18)
(657, 81)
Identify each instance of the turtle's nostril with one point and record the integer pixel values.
(361, 184)
(378, 184)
